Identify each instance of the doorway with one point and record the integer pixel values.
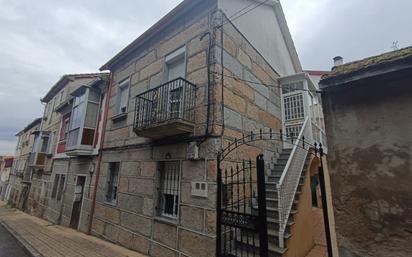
(77, 203)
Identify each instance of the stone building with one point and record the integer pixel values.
(367, 107)
(20, 177)
(6, 163)
(65, 149)
(132, 158)
(196, 80)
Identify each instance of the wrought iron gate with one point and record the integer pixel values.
(241, 202)
(241, 214)
(241, 197)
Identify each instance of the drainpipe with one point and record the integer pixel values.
(209, 74)
(99, 160)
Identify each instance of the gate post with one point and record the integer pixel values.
(261, 187)
(324, 203)
(219, 210)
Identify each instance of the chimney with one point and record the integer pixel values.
(337, 61)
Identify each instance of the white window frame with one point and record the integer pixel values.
(84, 104)
(173, 57)
(177, 55)
(161, 194)
(124, 86)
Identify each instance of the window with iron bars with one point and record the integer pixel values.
(169, 181)
(111, 182)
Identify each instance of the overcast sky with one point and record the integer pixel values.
(42, 40)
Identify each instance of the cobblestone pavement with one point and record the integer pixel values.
(9, 245)
(48, 240)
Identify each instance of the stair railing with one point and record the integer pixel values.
(289, 181)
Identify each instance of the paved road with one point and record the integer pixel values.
(9, 247)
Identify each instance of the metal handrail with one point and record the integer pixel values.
(289, 181)
(164, 84)
(175, 99)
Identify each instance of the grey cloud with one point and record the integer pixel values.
(353, 29)
(42, 40)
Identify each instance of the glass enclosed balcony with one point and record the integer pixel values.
(41, 148)
(83, 122)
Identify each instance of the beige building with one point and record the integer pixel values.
(6, 163)
(20, 177)
(134, 158)
(192, 84)
(65, 149)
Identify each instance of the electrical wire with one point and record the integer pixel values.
(241, 10)
(233, 17)
(268, 85)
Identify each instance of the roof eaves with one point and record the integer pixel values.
(369, 62)
(148, 33)
(366, 72)
(29, 126)
(66, 78)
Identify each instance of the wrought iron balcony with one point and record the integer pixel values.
(166, 110)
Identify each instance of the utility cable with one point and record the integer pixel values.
(268, 85)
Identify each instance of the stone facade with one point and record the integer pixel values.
(39, 202)
(6, 163)
(251, 102)
(237, 92)
(21, 171)
(42, 180)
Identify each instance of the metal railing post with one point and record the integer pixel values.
(219, 209)
(261, 187)
(324, 203)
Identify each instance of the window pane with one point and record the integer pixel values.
(44, 144)
(72, 137)
(91, 115)
(61, 187)
(169, 189)
(94, 96)
(112, 177)
(176, 68)
(55, 183)
(88, 137)
(123, 97)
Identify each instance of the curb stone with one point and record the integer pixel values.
(26, 246)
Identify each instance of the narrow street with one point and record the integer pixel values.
(9, 245)
(48, 240)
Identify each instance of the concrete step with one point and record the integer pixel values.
(244, 250)
(273, 202)
(273, 213)
(252, 240)
(273, 224)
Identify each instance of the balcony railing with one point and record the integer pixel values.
(166, 110)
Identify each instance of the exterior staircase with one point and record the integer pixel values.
(273, 213)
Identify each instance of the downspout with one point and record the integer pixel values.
(209, 63)
(99, 160)
(221, 76)
(206, 135)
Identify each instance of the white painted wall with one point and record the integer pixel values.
(261, 27)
